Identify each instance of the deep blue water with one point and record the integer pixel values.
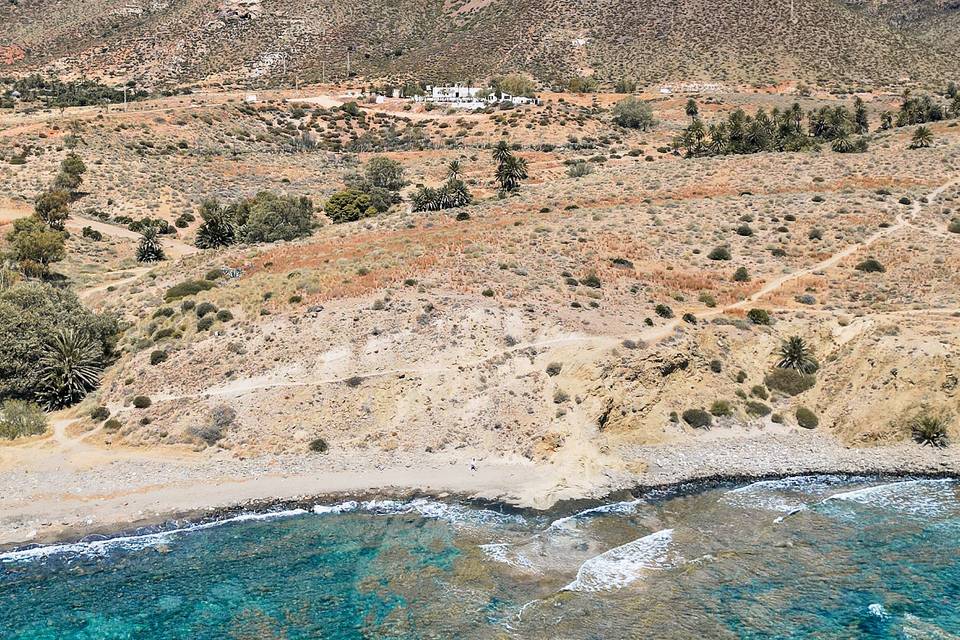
(809, 557)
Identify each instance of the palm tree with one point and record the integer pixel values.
(694, 136)
(70, 366)
(501, 151)
(692, 110)
(510, 172)
(842, 142)
(955, 106)
(453, 170)
(150, 249)
(922, 137)
(795, 354)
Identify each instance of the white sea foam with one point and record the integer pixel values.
(625, 564)
(915, 497)
(452, 513)
(877, 609)
(504, 553)
(134, 542)
(768, 494)
(627, 506)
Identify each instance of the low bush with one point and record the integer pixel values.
(205, 308)
(697, 418)
(759, 316)
(721, 408)
(19, 418)
(663, 311)
(203, 324)
(158, 356)
(719, 253)
(318, 445)
(99, 414)
(871, 265)
(554, 369)
(759, 391)
(224, 315)
(142, 402)
(806, 418)
(757, 409)
(789, 381)
(187, 288)
(112, 425)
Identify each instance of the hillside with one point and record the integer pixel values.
(257, 41)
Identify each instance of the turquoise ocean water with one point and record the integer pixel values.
(804, 557)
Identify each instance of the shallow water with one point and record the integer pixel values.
(817, 557)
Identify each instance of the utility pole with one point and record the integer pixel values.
(348, 63)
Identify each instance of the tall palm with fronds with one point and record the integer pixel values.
(511, 172)
(795, 354)
(922, 137)
(149, 249)
(501, 151)
(70, 366)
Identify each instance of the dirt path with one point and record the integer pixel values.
(173, 247)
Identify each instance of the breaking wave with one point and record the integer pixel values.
(914, 497)
(134, 542)
(625, 564)
(627, 506)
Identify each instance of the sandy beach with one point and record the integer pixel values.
(136, 489)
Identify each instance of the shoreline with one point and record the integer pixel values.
(177, 521)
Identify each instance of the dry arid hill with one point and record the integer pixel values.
(274, 41)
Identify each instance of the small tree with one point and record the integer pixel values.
(51, 207)
(384, 173)
(692, 110)
(34, 246)
(71, 173)
(633, 113)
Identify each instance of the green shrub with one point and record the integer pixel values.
(20, 418)
(759, 316)
(716, 366)
(187, 288)
(554, 369)
(757, 409)
(112, 425)
(789, 381)
(205, 323)
(721, 408)
(719, 253)
(318, 445)
(759, 391)
(205, 308)
(663, 311)
(806, 418)
(929, 429)
(163, 312)
(224, 315)
(633, 113)
(142, 402)
(213, 274)
(741, 275)
(188, 305)
(271, 218)
(158, 356)
(871, 265)
(697, 418)
(99, 414)
(349, 205)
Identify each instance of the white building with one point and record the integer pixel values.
(463, 97)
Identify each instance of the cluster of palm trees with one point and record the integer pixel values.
(511, 169)
(452, 194)
(779, 130)
(918, 110)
